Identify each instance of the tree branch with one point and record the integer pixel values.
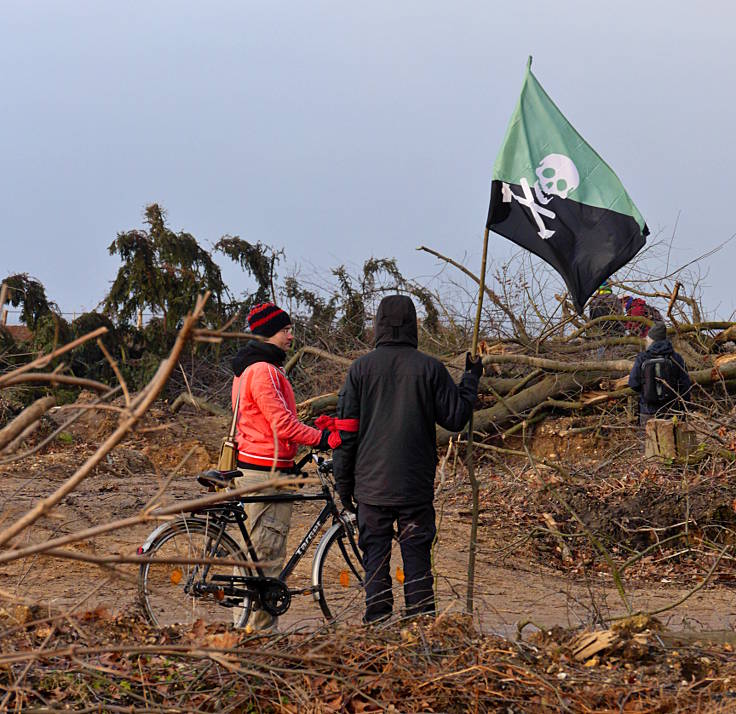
(517, 324)
(143, 402)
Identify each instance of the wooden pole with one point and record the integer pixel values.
(470, 462)
(3, 298)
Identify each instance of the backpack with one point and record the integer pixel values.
(659, 377)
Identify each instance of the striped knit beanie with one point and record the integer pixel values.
(266, 319)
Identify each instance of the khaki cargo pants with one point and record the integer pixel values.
(268, 526)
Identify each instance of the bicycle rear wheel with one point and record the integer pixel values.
(338, 572)
(166, 588)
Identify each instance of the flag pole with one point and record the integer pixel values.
(469, 459)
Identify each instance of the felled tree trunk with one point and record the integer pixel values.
(27, 417)
(728, 335)
(16, 443)
(617, 365)
(344, 361)
(199, 403)
(317, 405)
(550, 386)
(714, 374)
(499, 385)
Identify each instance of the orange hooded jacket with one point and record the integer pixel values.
(267, 406)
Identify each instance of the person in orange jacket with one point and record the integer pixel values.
(268, 435)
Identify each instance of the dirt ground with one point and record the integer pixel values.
(514, 582)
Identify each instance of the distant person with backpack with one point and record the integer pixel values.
(660, 376)
(388, 465)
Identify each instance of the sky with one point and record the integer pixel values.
(341, 131)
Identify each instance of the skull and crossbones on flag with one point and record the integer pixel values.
(556, 176)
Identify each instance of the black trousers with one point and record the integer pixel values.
(416, 530)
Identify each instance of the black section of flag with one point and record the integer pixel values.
(589, 244)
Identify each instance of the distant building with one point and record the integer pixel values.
(19, 333)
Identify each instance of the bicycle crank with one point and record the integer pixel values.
(275, 597)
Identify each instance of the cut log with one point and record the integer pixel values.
(723, 360)
(715, 374)
(316, 405)
(499, 385)
(29, 415)
(728, 335)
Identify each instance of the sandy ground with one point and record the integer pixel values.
(511, 585)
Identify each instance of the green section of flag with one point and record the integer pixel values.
(537, 130)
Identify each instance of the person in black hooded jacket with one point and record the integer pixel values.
(674, 384)
(397, 394)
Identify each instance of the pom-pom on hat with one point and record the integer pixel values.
(266, 319)
(657, 332)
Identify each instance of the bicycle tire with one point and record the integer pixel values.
(339, 575)
(161, 585)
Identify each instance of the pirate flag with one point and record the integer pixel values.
(553, 195)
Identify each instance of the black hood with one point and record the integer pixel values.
(257, 352)
(661, 347)
(396, 322)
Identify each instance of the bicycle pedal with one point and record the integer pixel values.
(227, 602)
(304, 591)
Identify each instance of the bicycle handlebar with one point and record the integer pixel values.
(303, 461)
(324, 466)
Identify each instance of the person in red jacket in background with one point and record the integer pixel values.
(636, 307)
(267, 436)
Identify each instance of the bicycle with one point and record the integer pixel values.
(184, 578)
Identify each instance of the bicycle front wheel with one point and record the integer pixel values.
(174, 591)
(338, 574)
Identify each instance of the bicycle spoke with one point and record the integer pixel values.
(174, 593)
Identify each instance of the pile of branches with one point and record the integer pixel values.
(573, 366)
(98, 662)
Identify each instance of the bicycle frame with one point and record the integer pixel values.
(235, 514)
(248, 583)
(230, 512)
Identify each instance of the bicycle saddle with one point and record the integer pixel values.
(214, 480)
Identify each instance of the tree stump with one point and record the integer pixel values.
(669, 439)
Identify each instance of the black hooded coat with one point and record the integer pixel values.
(679, 389)
(398, 393)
